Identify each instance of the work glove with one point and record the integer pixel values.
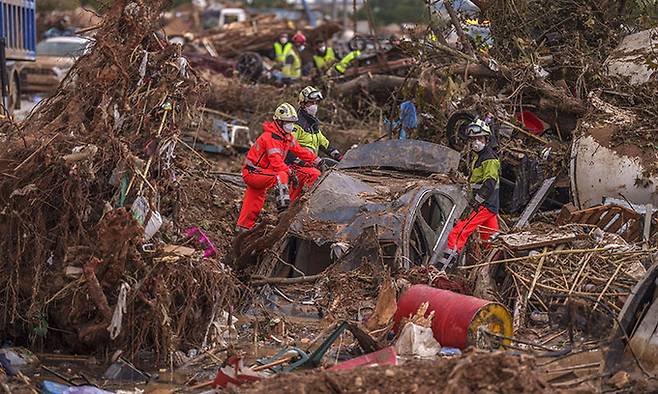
(335, 154)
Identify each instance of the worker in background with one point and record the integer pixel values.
(292, 61)
(281, 47)
(324, 57)
(265, 168)
(484, 200)
(307, 132)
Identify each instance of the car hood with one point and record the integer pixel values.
(53, 61)
(348, 199)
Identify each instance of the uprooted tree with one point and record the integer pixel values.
(68, 244)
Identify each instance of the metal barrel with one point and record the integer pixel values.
(457, 317)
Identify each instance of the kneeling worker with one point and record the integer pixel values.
(265, 168)
(484, 201)
(307, 132)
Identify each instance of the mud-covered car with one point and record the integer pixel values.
(396, 198)
(55, 57)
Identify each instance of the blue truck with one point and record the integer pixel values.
(18, 41)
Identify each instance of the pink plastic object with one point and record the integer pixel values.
(235, 373)
(202, 240)
(385, 356)
(531, 122)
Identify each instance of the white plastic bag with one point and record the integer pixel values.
(417, 341)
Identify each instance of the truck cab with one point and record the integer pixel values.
(18, 37)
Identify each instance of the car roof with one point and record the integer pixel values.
(74, 39)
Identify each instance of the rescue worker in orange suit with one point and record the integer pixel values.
(484, 201)
(265, 168)
(308, 134)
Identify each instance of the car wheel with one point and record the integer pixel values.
(250, 66)
(456, 129)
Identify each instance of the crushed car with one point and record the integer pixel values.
(398, 196)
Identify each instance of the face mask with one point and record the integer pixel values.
(288, 127)
(477, 145)
(322, 49)
(283, 40)
(312, 109)
(301, 47)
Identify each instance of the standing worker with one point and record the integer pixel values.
(484, 201)
(307, 132)
(265, 168)
(324, 57)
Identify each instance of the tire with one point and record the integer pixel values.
(456, 129)
(250, 66)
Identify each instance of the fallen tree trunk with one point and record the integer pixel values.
(554, 97)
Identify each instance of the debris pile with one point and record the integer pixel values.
(89, 180)
(493, 372)
(544, 269)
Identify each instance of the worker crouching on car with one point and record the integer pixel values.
(264, 167)
(484, 201)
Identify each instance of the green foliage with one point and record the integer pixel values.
(395, 11)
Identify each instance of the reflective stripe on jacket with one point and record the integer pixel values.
(485, 178)
(271, 147)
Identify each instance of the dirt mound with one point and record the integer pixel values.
(474, 373)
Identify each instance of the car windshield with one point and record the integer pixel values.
(58, 48)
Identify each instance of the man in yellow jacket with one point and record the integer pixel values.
(324, 57)
(308, 134)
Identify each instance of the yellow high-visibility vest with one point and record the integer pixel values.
(324, 62)
(293, 69)
(280, 50)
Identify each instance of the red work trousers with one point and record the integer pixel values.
(306, 177)
(258, 183)
(483, 220)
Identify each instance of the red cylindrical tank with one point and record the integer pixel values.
(457, 317)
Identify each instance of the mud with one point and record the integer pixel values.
(474, 373)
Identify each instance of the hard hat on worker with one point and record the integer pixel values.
(299, 38)
(310, 94)
(479, 128)
(286, 113)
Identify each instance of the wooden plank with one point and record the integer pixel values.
(633, 234)
(617, 225)
(606, 217)
(566, 214)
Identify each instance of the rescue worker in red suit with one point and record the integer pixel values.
(265, 169)
(484, 201)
